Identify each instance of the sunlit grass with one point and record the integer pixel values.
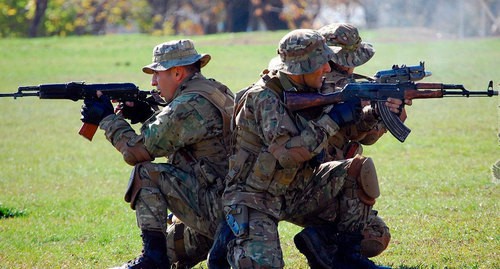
(438, 196)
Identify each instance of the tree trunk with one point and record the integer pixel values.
(271, 15)
(41, 6)
(237, 15)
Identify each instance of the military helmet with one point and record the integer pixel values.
(344, 40)
(302, 51)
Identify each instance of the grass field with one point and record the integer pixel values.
(438, 194)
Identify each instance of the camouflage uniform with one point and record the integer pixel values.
(350, 51)
(191, 131)
(277, 171)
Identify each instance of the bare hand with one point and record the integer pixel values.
(394, 105)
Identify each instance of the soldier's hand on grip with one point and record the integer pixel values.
(346, 113)
(94, 110)
(137, 111)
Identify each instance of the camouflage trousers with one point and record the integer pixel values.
(325, 195)
(185, 246)
(197, 205)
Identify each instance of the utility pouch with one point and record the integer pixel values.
(134, 185)
(262, 172)
(237, 219)
(282, 180)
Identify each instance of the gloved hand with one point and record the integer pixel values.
(139, 112)
(94, 110)
(346, 113)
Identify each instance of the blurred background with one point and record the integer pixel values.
(441, 18)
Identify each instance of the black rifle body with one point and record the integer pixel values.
(75, 91)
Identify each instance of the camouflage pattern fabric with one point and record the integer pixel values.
(344, 40)
(367, 131)
(302, 51)
(376, 236)
(189, 133)
(175, 53)
(185, 246)
(275, 188)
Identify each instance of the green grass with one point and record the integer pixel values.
(438, 195)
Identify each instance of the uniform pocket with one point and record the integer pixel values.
(262, 172)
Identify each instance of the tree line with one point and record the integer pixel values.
(36, 18)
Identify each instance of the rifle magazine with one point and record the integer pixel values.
(392, 122)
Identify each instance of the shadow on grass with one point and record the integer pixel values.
(6, 212)
(410, 267)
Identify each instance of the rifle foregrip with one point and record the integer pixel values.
(392, 122)
(88, 130)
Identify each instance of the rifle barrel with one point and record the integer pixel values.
(19, 94)
(464, 92)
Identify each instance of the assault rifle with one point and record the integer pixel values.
(402, 74)
(75, 91)
(378, 93)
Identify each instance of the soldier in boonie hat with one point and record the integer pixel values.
(344, 40)
(175, 53)
(302, 51)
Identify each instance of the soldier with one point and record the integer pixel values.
(192, 132)
(278, 172)
(348, 52)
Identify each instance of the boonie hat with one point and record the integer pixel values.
(274, 63)
(344, 40)
(302, 51)
(175, 53)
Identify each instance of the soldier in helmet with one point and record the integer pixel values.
(349, 52)
(192, 132)
(278, 172)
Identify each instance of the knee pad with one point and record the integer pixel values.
(376, 238)
(363, 169)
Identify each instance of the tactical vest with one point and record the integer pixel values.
(223, 99)
(219, 95)
(246, 165)
(249, 141)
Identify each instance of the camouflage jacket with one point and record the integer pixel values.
(272, 145)
(191, 129)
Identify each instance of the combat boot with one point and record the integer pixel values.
(154, 253)
(324, 248)
(349, 253)
(317, 245)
